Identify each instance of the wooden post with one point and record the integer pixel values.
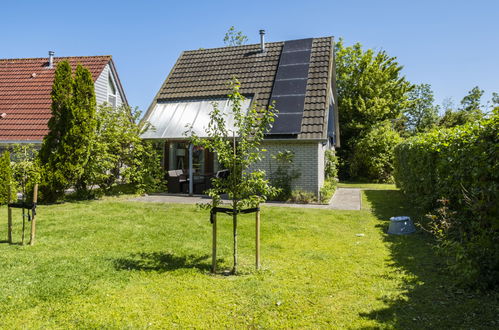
(24, 227)
(234, 222)
(33, 219)
(257, 238)
(214, 244)
(9, 216)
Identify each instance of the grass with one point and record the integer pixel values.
(119, 264)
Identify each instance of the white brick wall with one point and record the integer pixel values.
(308, 160)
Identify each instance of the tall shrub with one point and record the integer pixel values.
(373, 154)
(66, 149)
(54, 181)
(6, 178)
(119, 156)
(458, 167)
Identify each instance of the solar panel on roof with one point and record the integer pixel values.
(290, 86)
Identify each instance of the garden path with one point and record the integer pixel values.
(343, 199)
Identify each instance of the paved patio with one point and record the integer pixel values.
(343, 199)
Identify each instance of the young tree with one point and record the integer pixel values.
(421, 114)
(236, 151)
(234, 38)
(371, 89)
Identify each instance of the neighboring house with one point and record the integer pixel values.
(25, 93)
(297, 75)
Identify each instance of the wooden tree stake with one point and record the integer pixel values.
(214, 244)
(9, 216)
(257, 239)
(33, 219)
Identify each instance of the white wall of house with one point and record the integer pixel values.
(308, 160)
(102, 89)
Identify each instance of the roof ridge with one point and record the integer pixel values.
(252, 45)
(55, 57)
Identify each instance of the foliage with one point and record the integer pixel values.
(327, 190)
(371, 90)
(66, 149)
(459, 165)
(6, 178)
(302, 197)
(470, 110)
(331, 165)
(373, 154)
(472, 101)
(284, 175)
(236, 151)
(421, 114)
(330, 176)
(234, 38)
(26, 169)
(119, 156)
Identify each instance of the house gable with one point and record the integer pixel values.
(25, 94)
(205, 73)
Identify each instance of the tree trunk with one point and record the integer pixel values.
(234, 223)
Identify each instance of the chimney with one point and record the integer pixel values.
(262, 40)
(51, 59)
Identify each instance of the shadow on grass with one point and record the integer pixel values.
(161, 262)
(429, 298)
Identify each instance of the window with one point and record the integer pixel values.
(111, 91)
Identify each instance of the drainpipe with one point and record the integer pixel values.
(191, 171)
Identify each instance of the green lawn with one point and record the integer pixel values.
(118, 264)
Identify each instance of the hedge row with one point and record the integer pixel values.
(458, 167)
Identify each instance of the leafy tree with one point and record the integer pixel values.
(495, 100)
(6, 178)
(469, 111)
(471, 102)
(421, 114)
(371, 89)
(66, 149)
(236, 151)
(374, 153)
(234, 38)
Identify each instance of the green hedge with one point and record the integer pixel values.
(454, 174)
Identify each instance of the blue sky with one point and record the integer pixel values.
(452, 45)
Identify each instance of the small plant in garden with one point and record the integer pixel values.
(26, 169)
(236, 151)
(330, 176)
(284, 175)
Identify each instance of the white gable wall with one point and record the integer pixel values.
(101, 87)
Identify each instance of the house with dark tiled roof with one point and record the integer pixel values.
(25, 93)
(297, 76)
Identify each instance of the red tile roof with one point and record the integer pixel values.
(25, 87)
